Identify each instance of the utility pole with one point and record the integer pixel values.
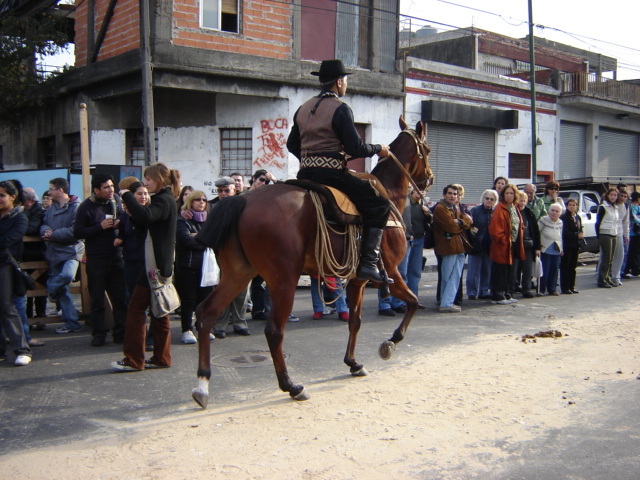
(148, 122)
(532, 82)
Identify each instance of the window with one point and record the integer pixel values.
(47, 148)
(135, 148)
(236, 146)
(219, 15)
(519, 165)
(72, 142)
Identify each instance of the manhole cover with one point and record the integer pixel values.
(249, 359)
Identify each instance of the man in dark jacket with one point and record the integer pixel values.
(96, 222)
(322, 136)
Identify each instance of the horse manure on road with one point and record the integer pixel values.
(548, 334)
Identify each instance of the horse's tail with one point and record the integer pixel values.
(221, 222)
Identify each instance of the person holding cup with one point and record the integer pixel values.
(97, 222)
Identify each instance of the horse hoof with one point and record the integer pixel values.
(200, 397)
(303, 395)
(359, 372)
(386, 349)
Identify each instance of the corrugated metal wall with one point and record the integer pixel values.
(573, 150)
(618, 153)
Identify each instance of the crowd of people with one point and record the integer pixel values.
(113, 234)
(503, 237)
(513, 240)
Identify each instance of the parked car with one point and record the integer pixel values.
(588, 202)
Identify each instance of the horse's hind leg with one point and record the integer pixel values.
(282, 297)
(355, 294)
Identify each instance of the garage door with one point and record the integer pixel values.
(573, 150)
(464, 155)
(618, 153)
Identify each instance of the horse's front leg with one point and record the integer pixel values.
(399, 290)
(282, 302)
(355, 294)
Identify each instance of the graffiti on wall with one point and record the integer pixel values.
(272, 141)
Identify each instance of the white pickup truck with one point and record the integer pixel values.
(588, 202)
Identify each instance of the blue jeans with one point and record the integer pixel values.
(318, 306)
(550, 266)
(391, 301)
(414, 264)
(451, 272)
(478, 275)
(21, 307)
(61, 275)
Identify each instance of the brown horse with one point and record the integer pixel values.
(272, 232)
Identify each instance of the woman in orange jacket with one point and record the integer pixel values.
(506, 231)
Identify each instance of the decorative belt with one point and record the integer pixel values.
(323, 162)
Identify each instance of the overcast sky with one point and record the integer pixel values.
(612, 21)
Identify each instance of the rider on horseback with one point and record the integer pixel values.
(323, 134)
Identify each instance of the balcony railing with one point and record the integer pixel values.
(592, 85)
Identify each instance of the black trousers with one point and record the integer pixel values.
(260, 297)
(373, 207)
(107, 275)
(633, 258)
(500, 275)
(568, 264)
(187, 283)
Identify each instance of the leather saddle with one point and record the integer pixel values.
(336, 205)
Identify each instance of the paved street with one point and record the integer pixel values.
(69, 392)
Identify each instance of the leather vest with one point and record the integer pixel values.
(316, 135)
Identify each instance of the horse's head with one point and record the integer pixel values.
(417, 159)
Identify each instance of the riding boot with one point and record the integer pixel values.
(369, 255)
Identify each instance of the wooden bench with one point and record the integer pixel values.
(42, 266)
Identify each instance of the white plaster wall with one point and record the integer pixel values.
(108, 147)
(194, 151)
(270, 122)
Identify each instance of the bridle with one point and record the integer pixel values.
(421, 152)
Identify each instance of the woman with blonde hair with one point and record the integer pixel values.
(160, 218)
(189, 256)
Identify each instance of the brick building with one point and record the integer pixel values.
(212, 88)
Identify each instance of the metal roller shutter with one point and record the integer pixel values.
(618, 153)
(573, 150)
(464, 155)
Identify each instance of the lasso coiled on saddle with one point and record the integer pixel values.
(324, 253)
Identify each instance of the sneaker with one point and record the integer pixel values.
(504, 301)
(293, 318)
(22, 360)
(65, 330)
(189, 338)
(120, 366)
(451, 309)
(317, 315)
(149, 347)
(513, 300)
(328, 310)
(212, 337)
(344, 316)
(35, 343)
(148, 364)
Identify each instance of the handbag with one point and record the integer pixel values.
(22, 281)
(210, 269)
(164, 297)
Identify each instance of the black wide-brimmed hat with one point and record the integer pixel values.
(331, 70)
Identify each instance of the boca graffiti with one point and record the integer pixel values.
(272, 142)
